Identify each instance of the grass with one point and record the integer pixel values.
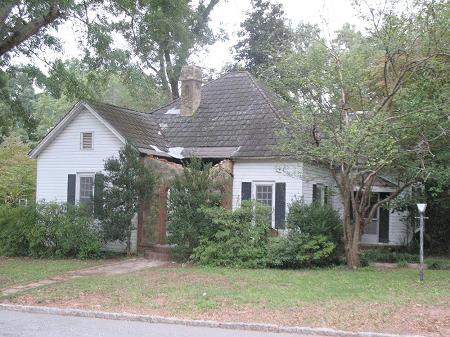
(14, 271)
(363, 299)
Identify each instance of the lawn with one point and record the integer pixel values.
(14, 271)
(389, 301)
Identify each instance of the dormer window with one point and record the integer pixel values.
(87, 140)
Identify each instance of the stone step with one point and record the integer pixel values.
(159, 253)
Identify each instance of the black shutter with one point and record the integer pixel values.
(98, 195)
(326, 193)
(383, 225)
(246, 191)
(71, 184)
(315, 196)
(280, 205)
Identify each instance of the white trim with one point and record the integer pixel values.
(265, 183)
(78, 185)
(105, 123)
(62, 123)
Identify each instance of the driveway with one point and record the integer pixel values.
(21, 324)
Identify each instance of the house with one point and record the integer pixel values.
(230, 121)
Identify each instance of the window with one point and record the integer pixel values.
(264, 194)
(87, 140)
(321, 194)
(86, 188)
(372, 227)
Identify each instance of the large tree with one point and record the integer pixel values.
(370, 106)
(265, 34)
(163, 34)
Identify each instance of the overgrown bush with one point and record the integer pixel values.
(64, 230)
(16, 224)
(300, 250)
(48, 230)
(387, 255)
(187, 223)
(241, 238)
(315, 219)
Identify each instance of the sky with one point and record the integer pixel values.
(330, 15)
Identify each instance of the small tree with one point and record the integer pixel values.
(187, 224)
(125, 183)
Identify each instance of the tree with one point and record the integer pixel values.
(17, 172)
(264, 35)
(370, 106)
(187, 224)
(126, 181)
(163, 34)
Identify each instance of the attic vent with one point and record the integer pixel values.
(86, 140)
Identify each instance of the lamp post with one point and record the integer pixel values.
(421, 208)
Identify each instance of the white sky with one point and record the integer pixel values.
(228, 15)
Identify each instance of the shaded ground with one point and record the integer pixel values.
(366, 300)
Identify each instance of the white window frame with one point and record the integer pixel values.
(81, 141)
(266, 183)
(78, 185)
(376, 219)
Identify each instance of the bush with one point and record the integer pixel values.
(48, 230)
(300, 250)
(187, 223)
(241, 238)
(315, 219)
(15, 226)
(64, 230)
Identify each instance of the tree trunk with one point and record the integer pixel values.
(128, 240)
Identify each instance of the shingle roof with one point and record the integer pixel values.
(137, 127)
(237, 117)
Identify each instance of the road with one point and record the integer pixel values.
(21, 324)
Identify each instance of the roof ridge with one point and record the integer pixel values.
(264, 95)
(116, 106)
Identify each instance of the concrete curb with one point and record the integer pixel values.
(198, 323)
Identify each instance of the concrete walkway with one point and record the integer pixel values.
(114, 268)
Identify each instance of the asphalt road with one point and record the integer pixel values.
(20, 324)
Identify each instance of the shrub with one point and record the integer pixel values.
(15, 226)
(387, 255)
(300, 250)
(241, 238)
(64, 230)
(187, 223)
(315, 219)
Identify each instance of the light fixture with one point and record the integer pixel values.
(421, 207)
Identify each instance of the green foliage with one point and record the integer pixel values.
(301, 250)
(193, 189)
(314, 237)
(387, 255)
(316, 220)
(16, 224)
(48, 230)
(125, 183)
(240, 240)
(17, 172)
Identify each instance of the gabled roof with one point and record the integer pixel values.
(237, 118)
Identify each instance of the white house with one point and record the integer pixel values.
(231, 118)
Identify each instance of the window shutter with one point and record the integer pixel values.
(71, 184)
(280, 205)
(99, 184)
(315, 193)
(246, 191)
(383, 224)
(326, 195)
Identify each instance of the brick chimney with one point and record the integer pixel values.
(191, 82)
